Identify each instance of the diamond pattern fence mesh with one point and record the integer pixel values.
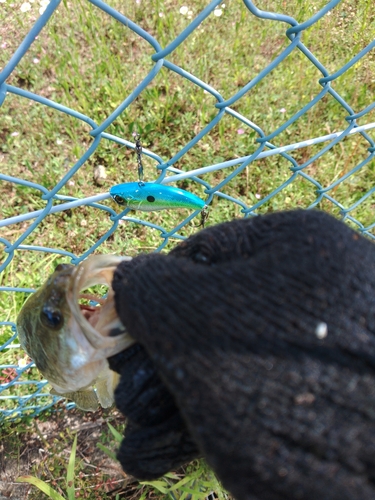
(280, 133)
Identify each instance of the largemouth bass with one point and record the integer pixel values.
(70, 342)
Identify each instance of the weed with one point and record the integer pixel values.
(47, 489)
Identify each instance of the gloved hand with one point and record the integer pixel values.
(157, 440)
(259, 333)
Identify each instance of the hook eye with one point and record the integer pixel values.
(119, 199)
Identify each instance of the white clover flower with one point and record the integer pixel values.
(218, 12)
(161, 14)
(184, 10)
(25, 7)
(35, 60)
(22, 362)
(43, 5)
(223, 6)
(3, 1)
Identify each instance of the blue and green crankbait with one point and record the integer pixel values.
(149, 196)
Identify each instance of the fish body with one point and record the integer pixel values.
(149, 196)
(70, 343)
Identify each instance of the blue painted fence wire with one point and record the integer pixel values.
(36, 399)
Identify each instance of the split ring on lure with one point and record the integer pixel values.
(149, 196)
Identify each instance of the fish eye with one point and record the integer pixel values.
(51, 319)
(119, 199)
(150, 198)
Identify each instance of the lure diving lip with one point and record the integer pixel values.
(149, 196)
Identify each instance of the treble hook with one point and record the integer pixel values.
(204, 217)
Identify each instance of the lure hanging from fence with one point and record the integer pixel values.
(149, 196)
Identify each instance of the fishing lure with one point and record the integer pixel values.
(148, 197)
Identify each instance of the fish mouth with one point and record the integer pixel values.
(100, 325)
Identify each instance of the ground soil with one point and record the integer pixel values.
(30, 452)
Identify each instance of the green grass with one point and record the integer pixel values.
(41, 449)
(87, 61)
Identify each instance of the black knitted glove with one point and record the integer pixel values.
(157, 439)
(263, 332)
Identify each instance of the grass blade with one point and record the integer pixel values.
(118, 437)
(70, 471)
(158, 485)
(44, 487)
(107, 451)
(180, 483)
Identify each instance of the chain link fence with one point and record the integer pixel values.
(21, 390)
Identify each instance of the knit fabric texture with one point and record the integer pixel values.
(258, 335)
(157, 440)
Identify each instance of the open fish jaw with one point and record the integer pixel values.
(95, 270)
(89, 339)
